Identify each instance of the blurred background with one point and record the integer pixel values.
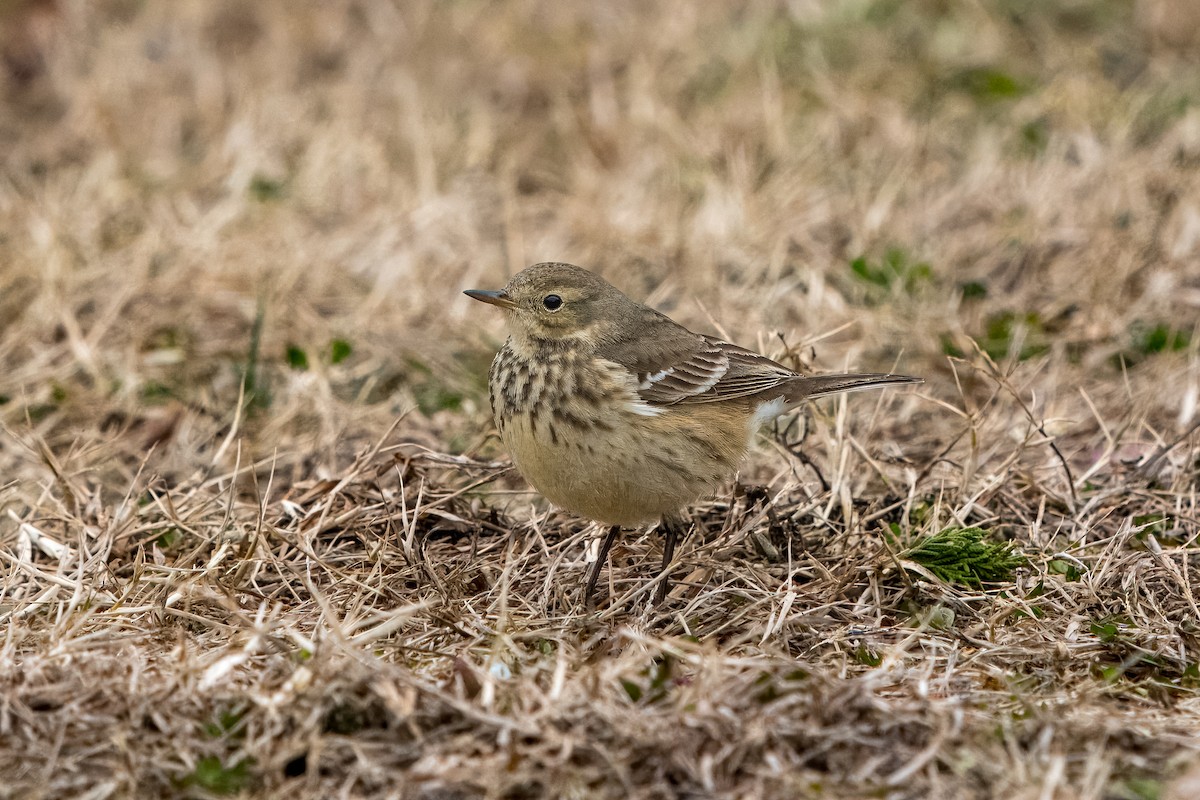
(286, 198)
(233, 241)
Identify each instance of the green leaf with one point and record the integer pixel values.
(660, 675)
(265, 190)
(39, 411)
(988, 84)
(1135, 789)
(867, 273)
(1160, 338)
(895, 272)
(339, 351)
(1109, 629)
(297, 358)
(1001, 328)
(950, 348)
(153, 392)
(432, 397)
(1105, 631)
(1151, 339)
(257, 395)
(1065, 568)
(1035, 612)
(974, 290)
(867, 657)
(1191, 675)
(966, 556)
(1035, 136)
(167, 538)
(212, 775)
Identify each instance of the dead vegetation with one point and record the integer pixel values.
(256, 540)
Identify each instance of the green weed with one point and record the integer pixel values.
(966, 556)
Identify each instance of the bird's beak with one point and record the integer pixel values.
(499, 298)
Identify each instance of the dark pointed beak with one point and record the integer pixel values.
(499, 298)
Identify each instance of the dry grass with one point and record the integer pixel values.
(232, 239)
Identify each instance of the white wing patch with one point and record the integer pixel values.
(766, 412)
(687, 379)
(645, 409)
(650, 380)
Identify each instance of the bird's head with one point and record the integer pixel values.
(551, 304)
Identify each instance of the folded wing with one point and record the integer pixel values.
(674, 366)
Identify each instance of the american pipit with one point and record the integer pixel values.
(615, 412)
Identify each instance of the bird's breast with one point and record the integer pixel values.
(579, 432)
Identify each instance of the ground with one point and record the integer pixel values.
(259, 539)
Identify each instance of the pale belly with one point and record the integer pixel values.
(578, 431)
(627, 469)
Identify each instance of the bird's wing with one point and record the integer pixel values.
(749, 373)
(672, 365)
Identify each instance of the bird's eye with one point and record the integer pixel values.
(552, 302)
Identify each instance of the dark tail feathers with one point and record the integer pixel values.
(814, 386)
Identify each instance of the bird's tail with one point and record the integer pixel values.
(811, 387)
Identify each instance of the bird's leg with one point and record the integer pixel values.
(601, 557)
(671, 528)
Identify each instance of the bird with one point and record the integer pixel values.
(619, 414)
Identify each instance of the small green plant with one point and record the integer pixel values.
(1035, 611)
(987, 84)
(1146, 340)
(867, 657)
(1147, 525)
(1159, 114)
(973, 290)
(257, 395)
(1104, 631)
(39, 411)
(153, 392)
(212, 775)
(1034, 137)
(966, 556)
(1160, 338)
(167, 538)
(771, 686)
(659, 675)
(1135, 788)
(1065, 568)
(265, 190)
(226, 723)
(1190, 678)
(431, 393)
(709, 82)
(937, 617)
(1004, 331)
(895, 272)
(296, 357)
(339, 351)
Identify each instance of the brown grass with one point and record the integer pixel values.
(232, 239)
